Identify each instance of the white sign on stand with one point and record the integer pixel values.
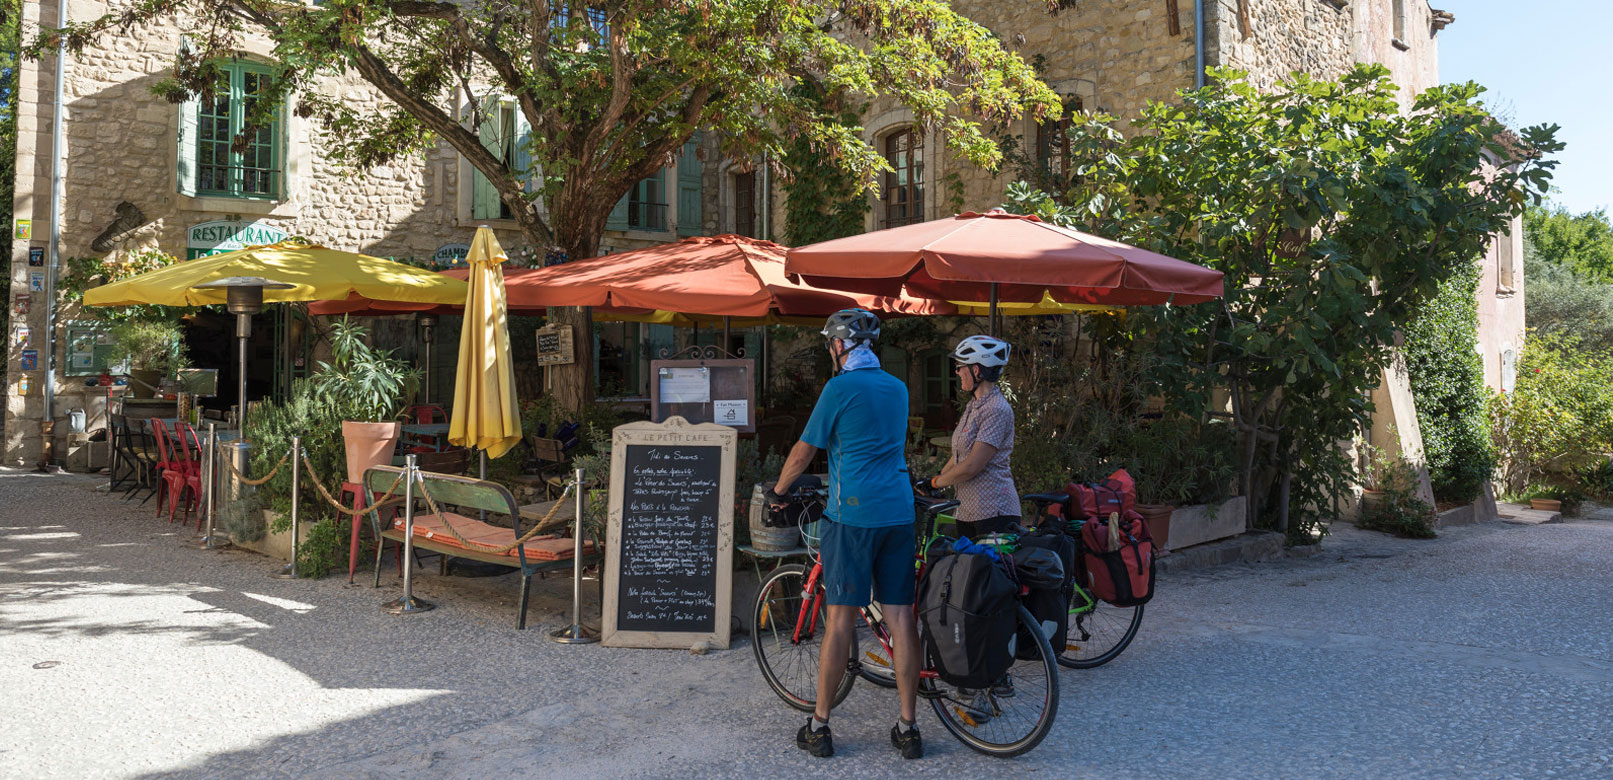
(685, 385)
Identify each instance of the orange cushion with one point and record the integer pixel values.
(543, 547)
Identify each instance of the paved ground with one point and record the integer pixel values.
(1484, 653)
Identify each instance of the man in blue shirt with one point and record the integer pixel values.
(868, 539)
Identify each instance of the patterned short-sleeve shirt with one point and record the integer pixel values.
(991, 493)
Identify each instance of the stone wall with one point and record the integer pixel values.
(1271, 39)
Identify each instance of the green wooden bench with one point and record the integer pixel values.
(467, 495)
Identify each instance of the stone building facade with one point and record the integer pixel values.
(125, 148)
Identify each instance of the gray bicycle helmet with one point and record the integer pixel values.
(852, 325)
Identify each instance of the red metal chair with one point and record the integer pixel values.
(170, 469)
(428, 414)
(191, 445)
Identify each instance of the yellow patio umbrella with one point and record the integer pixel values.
(486, 415)
(314, 272)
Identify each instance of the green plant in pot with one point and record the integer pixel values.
(152, 349)
(369, 388)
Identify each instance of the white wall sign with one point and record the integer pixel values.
(228, 235)
(450, 254)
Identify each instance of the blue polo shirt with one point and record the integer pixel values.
(861, 419)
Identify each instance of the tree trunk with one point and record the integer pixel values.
(578, 235)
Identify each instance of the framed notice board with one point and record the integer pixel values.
(670, 539)
(554, 345)
(89, 349)
(701, 391)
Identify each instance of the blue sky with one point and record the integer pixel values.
(1543, 62)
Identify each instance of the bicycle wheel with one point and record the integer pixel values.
(1098, 631)
(1012, 716)
(873, 660)
(790, 666)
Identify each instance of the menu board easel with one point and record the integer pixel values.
(670, 539)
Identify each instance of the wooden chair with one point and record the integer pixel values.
(551, 457)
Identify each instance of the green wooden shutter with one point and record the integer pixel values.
(485, 202)
(188, 130)
(690, 219)
(618, 216)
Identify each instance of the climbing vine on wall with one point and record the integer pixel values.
(822, 201)
(1447, 381)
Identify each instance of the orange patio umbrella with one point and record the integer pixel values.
(999, 256)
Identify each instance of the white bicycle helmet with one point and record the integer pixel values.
(982, 351)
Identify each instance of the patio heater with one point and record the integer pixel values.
(428, 329)
(244, 298)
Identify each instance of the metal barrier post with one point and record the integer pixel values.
(407, 603)
(289, 572)
(576, 633)
(210, 540)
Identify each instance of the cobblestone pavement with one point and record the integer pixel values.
(123, 653)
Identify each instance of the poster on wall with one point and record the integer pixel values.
(30, 360)
(36, 281)
(228, 235)
(20, 304)
(24, 230)
(36, 256)
(24, 336)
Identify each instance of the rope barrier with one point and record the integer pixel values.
(383, 501)
(487, 548)
(256, 482)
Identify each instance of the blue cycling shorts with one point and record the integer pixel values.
(857, 560)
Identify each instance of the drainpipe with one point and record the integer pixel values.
(1198, 44)
(55, 220)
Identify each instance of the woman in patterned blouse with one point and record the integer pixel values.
(982, 442)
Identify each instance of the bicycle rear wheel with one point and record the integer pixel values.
(1098, 631)
(1012, 716)
(791, 666)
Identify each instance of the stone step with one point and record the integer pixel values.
(1521, 514)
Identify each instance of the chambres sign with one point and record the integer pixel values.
(669, 556)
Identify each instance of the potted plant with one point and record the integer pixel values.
(370, 389)
(152, 349)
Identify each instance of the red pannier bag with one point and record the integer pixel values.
(1097, 500)
(1119, 558)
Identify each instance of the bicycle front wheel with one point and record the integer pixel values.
(789, 658)
(1098, 631)
(1014, 714)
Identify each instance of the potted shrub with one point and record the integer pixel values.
(370, 389)
(152, 349)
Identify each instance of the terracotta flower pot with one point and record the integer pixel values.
(368, 444)
(1546, 504)
(1158, 519)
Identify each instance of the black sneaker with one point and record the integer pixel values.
(908, 743)
(1004, 688)
(819, 743)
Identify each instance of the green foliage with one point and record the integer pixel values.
(1597, 478)
(1334, 215)
(85, 273)
(10, 39)
(323, 550)
(362, 383)
(1559, 301)
(270, 429)
(1580, 242)
(150, 345)
(1447, 380)
(1572, 498)
(822, 200)
(1559, 416)
(1400, 511)
(607, 104)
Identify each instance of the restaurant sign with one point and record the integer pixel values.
(450, 254)
(228, 235)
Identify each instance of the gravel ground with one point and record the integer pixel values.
(123, 653)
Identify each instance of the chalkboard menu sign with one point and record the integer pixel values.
(670, 544)
(554, 345)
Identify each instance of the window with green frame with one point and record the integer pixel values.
(209, 162)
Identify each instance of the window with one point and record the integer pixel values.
(646, 203)
(904, 184)
(1053, 142)
(499, 136)
(211, 162)
(596, 20)
(745, 203)
(1505, 263)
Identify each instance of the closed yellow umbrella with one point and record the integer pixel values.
(486, 415)
(314, 272)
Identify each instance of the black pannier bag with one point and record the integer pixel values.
(967, 610)
(1050, 606)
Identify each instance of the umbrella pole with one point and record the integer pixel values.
(992, 318)
(727, 333)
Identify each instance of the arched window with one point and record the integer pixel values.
(1053, 141)
(903, 191)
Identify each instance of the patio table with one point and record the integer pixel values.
(433, 435)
